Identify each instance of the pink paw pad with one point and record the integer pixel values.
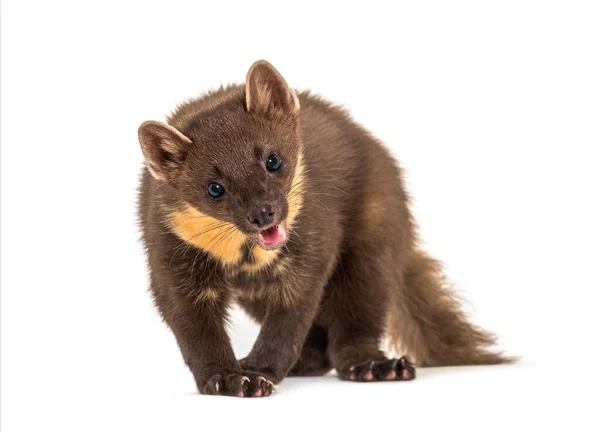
(391, 375)
(400, 369)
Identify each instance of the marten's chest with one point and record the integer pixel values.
(273, 283)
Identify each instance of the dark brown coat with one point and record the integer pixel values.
(349, 274)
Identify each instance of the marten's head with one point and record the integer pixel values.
(234, 158)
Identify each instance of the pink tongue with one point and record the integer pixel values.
(270, 235)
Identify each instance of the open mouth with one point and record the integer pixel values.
(273, 237)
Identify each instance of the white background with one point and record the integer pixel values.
(492, 108)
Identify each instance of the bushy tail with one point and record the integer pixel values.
(428, 323)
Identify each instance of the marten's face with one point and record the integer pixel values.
(244, 170)
(236, 167)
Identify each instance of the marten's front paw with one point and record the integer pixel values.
(241, 384)
(388, 370)
(259, 367)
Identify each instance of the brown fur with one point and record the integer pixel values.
(350, 273)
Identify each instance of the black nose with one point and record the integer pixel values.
(261, 215)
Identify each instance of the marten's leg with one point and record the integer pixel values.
(313, 360)
(199, 327)
(356, 306)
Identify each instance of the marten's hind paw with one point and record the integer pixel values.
(387, 370)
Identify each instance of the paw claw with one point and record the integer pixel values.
(368, 376)
(251, 384)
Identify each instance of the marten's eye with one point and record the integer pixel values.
(215, 190)
(273, 162)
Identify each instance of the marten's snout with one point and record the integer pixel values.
(261, 215)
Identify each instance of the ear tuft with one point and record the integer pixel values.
(268, 92)
(164, 148)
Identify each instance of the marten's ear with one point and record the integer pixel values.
(164, 147)
(267, 91)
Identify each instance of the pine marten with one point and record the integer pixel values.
(280, 202)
